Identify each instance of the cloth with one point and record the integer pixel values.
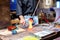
(25, 6)
(13, 5)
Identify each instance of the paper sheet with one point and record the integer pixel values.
(43, 33)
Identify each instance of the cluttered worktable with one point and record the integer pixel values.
(41, 32)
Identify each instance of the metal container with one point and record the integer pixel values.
(47, 3)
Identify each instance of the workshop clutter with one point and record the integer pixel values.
(30, 38)
(12, 29)
(14, 21)
(35, 19)
(57, 25)
(6, 32)
(14, 32)
(30, 24)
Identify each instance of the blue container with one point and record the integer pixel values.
(13, 5)
(14, 32)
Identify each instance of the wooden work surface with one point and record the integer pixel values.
(22, 34)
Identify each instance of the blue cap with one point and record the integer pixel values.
(51, 9)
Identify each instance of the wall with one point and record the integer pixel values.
(4, 12)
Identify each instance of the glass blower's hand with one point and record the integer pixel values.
(22, 20)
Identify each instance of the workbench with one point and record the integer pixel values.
(34, 30)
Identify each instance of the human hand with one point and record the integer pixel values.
(22, 20)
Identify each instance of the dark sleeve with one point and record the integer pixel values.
(31, 6)
(18, 8)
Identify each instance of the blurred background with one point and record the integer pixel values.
(8, 11)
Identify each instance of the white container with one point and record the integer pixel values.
(58, 4)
